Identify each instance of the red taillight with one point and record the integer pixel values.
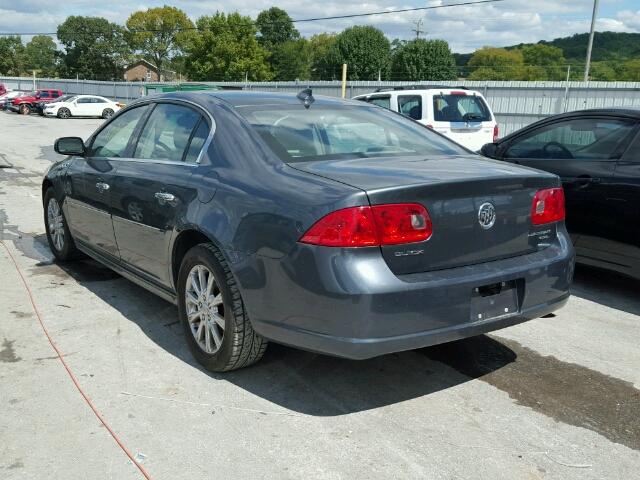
(429, 126)
(548, 206)
(390, 224)
(496, 133)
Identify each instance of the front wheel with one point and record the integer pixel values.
(64, 113)
(218, 330)
(58, 235)
(107, 113)
(25, 109)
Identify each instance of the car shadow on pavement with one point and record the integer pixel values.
(607, 288)
(293, 379)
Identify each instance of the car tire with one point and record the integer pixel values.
(64, 113)
(239, 346)
(107, 113)
(24, 109)
(58, 235)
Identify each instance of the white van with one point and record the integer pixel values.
(462, 115)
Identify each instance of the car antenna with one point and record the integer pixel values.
(306, 97)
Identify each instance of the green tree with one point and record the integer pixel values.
(275, 27)
(11, 55)
(490, 63)
(226, 49)
(291, 60)
(93, 48)
(630, 71)
(365, 50)
(422, 59)
(40, 55)
(543, 62)
(321, 51)
(603, 72)
(159, 34)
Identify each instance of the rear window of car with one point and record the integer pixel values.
(460, 108)
(321, 132)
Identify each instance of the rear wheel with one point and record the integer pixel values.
(218, 330)
(25, 109)
(107, 113)
(64, 113)
(58, 235)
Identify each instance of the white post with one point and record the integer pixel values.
(34, 79)
(587, 67)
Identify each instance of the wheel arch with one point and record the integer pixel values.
(186, 239)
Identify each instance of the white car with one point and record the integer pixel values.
(458, 113)
(82, 106)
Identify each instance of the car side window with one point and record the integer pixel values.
(98, 100)
(573, 139)
(112, 140)
(84, 100)
(167, 133)
(381, 101)
(411, 106)
(197, 142)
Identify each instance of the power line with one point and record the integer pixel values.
(301, 20)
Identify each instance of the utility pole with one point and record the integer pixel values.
(418, 23)
(587, 67)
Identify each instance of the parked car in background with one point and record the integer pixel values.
(3, 89)
(331, 225)
(7, 98)
(26, 103)
(82, 106)
(460, 114)
(596, 153)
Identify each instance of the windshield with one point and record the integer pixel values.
(296, 134)
(460, 108)
(65, 98)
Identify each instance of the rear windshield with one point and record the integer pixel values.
(296, 134)
(460, 108)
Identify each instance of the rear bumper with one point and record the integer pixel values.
(349, 304)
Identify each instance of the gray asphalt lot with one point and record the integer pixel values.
(554, 398)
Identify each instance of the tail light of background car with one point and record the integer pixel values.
(548, 206)
(496, 133)
(378, 225)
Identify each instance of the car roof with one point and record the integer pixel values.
(238, 98)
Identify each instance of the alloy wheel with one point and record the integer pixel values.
(56, 224)
(205, 309)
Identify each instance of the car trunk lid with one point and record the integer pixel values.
(454, 191)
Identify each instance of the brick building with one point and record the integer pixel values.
(143, 71)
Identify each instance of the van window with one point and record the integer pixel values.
(411, 106)
(460, 108)
(380, 101)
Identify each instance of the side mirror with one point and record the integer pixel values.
(70, 146)
(490, 150)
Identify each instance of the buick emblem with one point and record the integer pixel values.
(487, 215)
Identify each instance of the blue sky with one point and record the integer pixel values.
(465, 28)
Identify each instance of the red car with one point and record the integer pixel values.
(26, 103)
(3, 90)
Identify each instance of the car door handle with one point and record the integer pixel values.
(585, 181)
(102, 187)
(164, 197)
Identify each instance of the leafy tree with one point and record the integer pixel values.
(159, 34)
(422, 59)
(321, 51)
(291, 60)
(543, 62)
(490, 63)
(365, 50)
(601, 71)
(225, 48)
(275, 27)
(11, 55)
(40, 55)
(93, 48)
(631, 71)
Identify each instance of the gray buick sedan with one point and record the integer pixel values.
(334, 226)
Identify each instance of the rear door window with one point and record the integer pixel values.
(580, 138)
(411, 106)
(460, 108)
(167, 133)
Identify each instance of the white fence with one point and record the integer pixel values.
(516, 104)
